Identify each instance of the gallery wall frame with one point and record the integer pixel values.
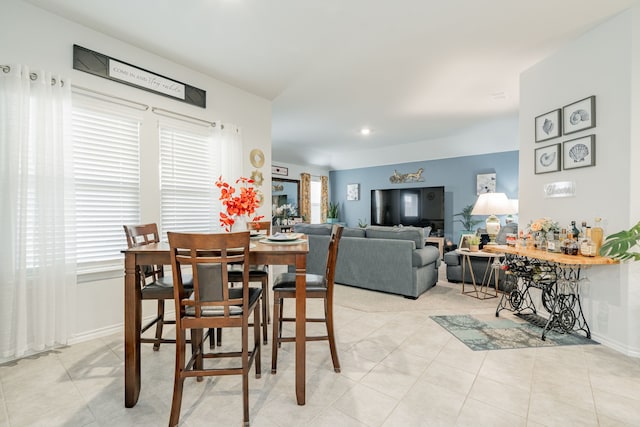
(579, 152)
(579, 115)
(485, 183)
(353, 191)
(548, 125)
(547, 159)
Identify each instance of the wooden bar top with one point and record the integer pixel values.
(550, 256)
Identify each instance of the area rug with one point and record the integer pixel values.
(499, 333)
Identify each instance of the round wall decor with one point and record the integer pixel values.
(257, 178)
(257, 157)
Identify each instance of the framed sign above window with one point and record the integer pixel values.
(279, 170)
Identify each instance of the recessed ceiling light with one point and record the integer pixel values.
(365, 131)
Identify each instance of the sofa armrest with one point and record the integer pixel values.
(425, 256)
(452, 258)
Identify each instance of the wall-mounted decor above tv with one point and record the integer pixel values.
(419, 206)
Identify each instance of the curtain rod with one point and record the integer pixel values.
(172, 114)
(109, 98)
(32, 76)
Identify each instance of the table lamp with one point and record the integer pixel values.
(492, 204)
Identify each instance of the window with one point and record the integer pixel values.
(106, 153)
(410, 205)
(315, 196)
(188, 170)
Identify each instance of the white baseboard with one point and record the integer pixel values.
(614, 345)
(97, 333)
(117, 328)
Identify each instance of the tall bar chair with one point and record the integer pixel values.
(257, 274)
(213, 304)
(317, 286)
(154, 285)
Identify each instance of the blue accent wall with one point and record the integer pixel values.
(457, 175)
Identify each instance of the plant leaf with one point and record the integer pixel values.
(617, 245)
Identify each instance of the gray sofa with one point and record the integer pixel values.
(454, 261)
(387, 259)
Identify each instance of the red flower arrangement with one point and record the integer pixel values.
(236, 205)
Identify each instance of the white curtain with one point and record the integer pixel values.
(37, 255)
(231, 154)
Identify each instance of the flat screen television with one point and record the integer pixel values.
(420, 207)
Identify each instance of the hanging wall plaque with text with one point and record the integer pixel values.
(113, 69)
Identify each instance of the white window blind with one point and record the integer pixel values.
(188, 170)
(107, 180)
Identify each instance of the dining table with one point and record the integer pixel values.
(261, 252)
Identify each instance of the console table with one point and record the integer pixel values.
(556, 275)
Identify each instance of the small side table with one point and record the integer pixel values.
(439, 241)
(481, 290)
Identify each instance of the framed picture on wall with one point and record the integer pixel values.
(579, 116)
(485, 183)
(353, 191)
(579, 152)
(547, 159)
(279, 170)
(548, 126)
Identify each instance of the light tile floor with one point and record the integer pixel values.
(399, 368)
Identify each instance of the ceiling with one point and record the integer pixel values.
(410, 70)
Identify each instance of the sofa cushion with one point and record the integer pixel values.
(353, 232)
(323, 229)
(398, 233)
(452, 258)
(511, 228)
(501, 237)
(425, 256)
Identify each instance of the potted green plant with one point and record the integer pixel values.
(362, 223)
(332, 213)
(467, 220)
(474, 243)
(619, 245)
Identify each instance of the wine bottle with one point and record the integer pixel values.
(574, 230)
(587, 248)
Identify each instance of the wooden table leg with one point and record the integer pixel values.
(132, 324)
(301, 334)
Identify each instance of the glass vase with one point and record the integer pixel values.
(239, 224)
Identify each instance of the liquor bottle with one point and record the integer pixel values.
(563, 235)
(553, 245)
(597, 233)
(570, 246)
(574, 230)
(530, 244)
(587, 248)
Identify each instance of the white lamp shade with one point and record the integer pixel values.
(493, 204)
(514, 205)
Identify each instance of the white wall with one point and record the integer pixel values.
(604, 63)
(295, 170)
(39, 39)
(492, 136)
